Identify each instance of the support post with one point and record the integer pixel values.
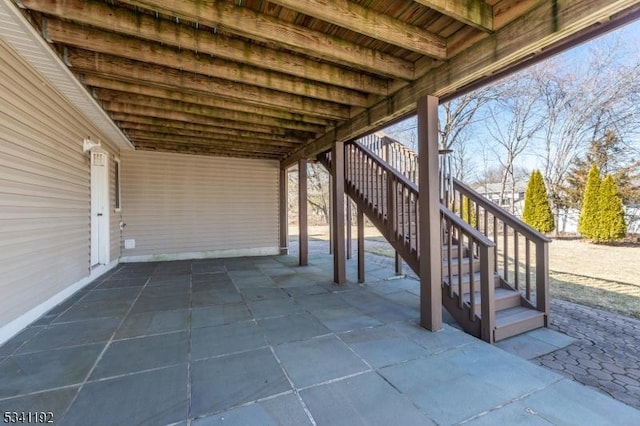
(339, 261)
(349, 249)
(430, 245)
(331, 211)
(284, 222)
(303, 233)
(398, 264)
(360, 215)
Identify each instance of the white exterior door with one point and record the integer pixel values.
(99, 208)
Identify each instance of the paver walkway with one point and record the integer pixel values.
(606, 354)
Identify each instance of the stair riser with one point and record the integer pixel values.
(465, 267)
(503, 303)
(466, 286)
(518, 327)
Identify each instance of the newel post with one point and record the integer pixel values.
(337, 198)
(430, 246)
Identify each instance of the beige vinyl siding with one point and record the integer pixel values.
(176, 203)
(114, 218)
(44, 190)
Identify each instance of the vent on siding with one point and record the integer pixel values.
(98, 158)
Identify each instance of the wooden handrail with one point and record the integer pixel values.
(499, 212)
(380, 161)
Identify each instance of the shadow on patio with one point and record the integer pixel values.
(262, 341)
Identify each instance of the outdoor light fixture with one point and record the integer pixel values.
(88, 144)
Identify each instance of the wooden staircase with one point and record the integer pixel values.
(487, 283)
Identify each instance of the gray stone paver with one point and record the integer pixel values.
(606, 354)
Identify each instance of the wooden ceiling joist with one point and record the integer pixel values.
(129, 127)
(206, 141)
(186, 149)
(126, 69)
(218, 113)
(475, 13)
(371, 23)
(202, 98)
(126, 22)
(142, 122)
(115, 107)
(247, 23)
(154, 53)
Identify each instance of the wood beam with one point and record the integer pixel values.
(141, 122)
(161, 140)
(476, 13)
(337, 218)
(371, 23)
(127, 69)
(207, 140)
(136, 49)
(262, 27)
(303, 229)
(541, 28)
(429, 242)
(211, 133)
(125, 21)
(193, 97)
(114, 107)
(210, 152)
(147, 101)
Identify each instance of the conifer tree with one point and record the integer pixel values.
(611, 223)
(588, 220)
(468, 213)
(537, 211)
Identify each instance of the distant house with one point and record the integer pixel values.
(492, 192)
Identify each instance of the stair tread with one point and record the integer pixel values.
(500, 293)
(516, 314)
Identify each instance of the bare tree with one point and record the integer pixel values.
(513, 121)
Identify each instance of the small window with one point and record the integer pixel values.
(117, 184)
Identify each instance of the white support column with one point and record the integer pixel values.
(429, 220)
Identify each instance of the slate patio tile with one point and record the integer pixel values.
(314, 361)
(10, 346)
(86, 310)
(322, 301)
(37, 371)
(284, 410)
(263, 293)
(214, 341)
(147, 398)
(382, 346)
(290, 328)
(435, 342)
(55, 401)
(344, 319)
(275, 307)
(161, 303)
(222, 383)
(153, 322)
(183, 279)
(489, 376)
(72, 334)
(219, 314)
(365, 400)
(123, 283)
(216, 297)
(142, 353)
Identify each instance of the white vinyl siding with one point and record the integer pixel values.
(44, 190)
(176, 203)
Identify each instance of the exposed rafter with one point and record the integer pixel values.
(476, 13)
(154, 53)
(246, 22)
(125, 88)
(123, 21)
(121, 68)
(371, 23)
